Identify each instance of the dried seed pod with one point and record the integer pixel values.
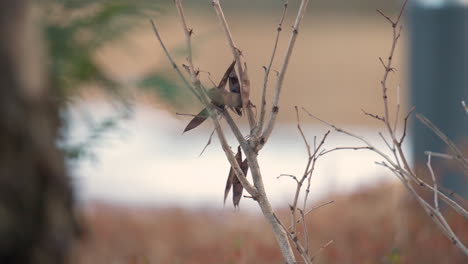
(233, 181)
(197, 120)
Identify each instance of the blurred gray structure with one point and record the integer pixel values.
(438, 61)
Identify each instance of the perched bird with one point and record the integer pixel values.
(220, 97)
(234, 85)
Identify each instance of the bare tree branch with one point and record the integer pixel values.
(279, 84)
(202, 96)
(405, 126)
(241, 66)
(388, 68)
(394, 164)
(373, 116)
(308, 171)
(311, 210)
(288, 175)
(397, 161)
(261, 121)
(440, 155)
(232, 160)
(296, 242)
(250, 149)
(431, 171)
(174, 65)
(302, 132)
(455, 151)
(207, 143)
(397, 114)
(188, 34)
(322, 248)
(435, 214)
(344, 148)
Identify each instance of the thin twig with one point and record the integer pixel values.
(403, 170)
(288, 175)
(386, 142)
(207, 143)
(261, 121)
(198, 87)
(397, 115)
(440, 155)
(402, 9)
(279, 84)
(306, 232)
(306, 175)
(319, 206)
(388, 68)
(188, 33)
(386, 17)
(295, 241)
(400, 142)
(344, 148)
(261, 196)
(174, 65)
(322, 248)
(311, 210)
(241, 66)
(436, 215)
(382, 62)
(248, 148)
(184, 114)
(431, 171)
(455, 151)
(302, 132)
(308, 171)
(404, 173)
(373, 116)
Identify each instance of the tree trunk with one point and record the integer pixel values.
(36, 216)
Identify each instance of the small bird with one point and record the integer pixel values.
(220, 97)
(234, 85)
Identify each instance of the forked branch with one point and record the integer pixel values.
(241, 66)
(216, 110)
(397, 161)
(279, 83)
(261, 121)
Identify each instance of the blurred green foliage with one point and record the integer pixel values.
(74, 30)
(83, 149)
(166, 88)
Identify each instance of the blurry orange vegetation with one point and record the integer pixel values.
(376, 225)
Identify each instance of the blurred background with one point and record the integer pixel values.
(145, 194)
(334, 73)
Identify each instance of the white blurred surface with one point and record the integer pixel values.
(152, 163)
